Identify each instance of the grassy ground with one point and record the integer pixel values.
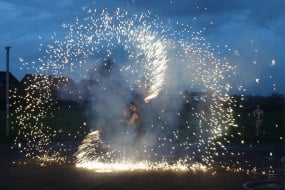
(71, 120)
(74, 122)
(272, 128)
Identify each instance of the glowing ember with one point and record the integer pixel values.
(148, 98)
(273, 62)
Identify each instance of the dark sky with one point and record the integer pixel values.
(256, 28)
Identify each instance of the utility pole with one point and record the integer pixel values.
(7, 92)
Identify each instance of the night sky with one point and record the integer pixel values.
(255, 28)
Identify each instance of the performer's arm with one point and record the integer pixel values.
(130, 121)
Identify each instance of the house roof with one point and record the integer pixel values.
(12, 79)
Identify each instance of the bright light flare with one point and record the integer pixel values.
(129, 166)
(150, 97)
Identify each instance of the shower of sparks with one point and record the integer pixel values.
(92, 154)
(152, 48)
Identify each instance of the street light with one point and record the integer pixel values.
(7, 91)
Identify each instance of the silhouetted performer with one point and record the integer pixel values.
(258, 115)
(134, 119)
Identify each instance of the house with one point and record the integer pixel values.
(14, 83)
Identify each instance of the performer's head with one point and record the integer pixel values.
(133, 106)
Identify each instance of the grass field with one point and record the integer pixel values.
(272, 128)
(70, 120)
(73, 121)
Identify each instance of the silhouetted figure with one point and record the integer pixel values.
(133, 118)
(258, 114)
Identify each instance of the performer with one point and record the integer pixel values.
(133, 118)
(258, 115)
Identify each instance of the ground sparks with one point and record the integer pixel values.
(129, 166)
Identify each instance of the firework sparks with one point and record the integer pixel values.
(92, 155)
(146, 67)
(153, 57)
